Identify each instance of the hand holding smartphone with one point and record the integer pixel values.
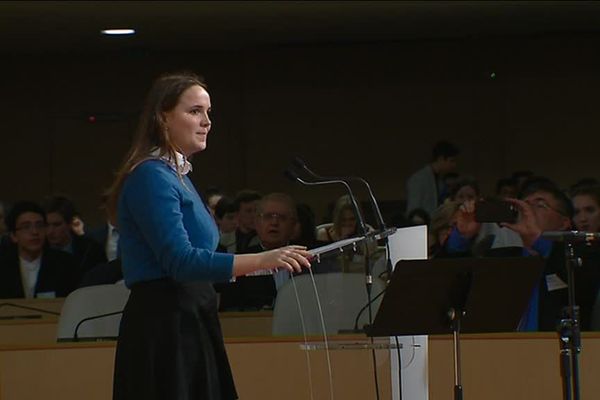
(491, 210)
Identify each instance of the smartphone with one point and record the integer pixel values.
(491, 210)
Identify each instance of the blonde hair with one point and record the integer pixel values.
(151, 132)
(442, 219)
(342, 204)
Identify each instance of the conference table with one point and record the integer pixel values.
(494, 366)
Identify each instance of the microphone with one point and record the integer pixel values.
(300, 164)
(26, 316)
(294, 177)
(75, 333)
(571, 236)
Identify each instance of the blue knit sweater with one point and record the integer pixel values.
(165, 230)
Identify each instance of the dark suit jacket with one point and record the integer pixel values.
(98, 235)
(87, 254)
(103, 274)
(57, 273)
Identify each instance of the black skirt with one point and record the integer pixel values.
(170, 345)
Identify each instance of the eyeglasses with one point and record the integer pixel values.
(274, 216)
(543, 205)
(30, 227)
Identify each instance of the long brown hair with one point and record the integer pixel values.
(151, 131)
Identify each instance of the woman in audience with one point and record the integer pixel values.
(586, 202)
(442, 221)
(466, 189)
(586, 218)
(170, 344)
(344, 222)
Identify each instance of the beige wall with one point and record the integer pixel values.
(372, 110)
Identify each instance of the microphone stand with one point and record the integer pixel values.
(299, 163)
(569, 331)
(369, 237)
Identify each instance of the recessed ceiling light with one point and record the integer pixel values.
(118, 31)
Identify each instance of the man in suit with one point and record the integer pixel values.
(106, 235)
(28, 268)
(425, 188)
(60, 212)
(275, 221)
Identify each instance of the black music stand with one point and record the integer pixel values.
(471, 295)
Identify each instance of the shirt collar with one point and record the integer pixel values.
(181, 163)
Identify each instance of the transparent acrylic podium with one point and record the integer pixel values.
(404, 244)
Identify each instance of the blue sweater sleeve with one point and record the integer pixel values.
(154, 202)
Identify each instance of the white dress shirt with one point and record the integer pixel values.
(29, 275)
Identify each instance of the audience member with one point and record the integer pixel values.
(466, 189)
(586, 202)
(418, 216)
(425, 187)
(245, 234)
(227, 221)
(344, 222)
(449, 184)
(103, 274)
(106, 235)
(542, 207)
(442, 221)
(78, 226)
(276, 219)
(60, 211)
(506, 188)
(28, 268)
(213, 195)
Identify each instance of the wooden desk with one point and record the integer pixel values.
(262, 370)
(42, 330)
(16, 328)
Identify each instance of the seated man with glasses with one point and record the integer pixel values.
(275, 222)
(28, 268)
(542, 207)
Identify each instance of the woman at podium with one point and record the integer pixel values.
(170, 343)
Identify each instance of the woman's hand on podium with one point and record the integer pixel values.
(293, 258)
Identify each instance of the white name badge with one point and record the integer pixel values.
(555, 283)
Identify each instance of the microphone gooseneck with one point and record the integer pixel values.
(300, 164)
(361, 223)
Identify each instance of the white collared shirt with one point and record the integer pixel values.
(29, 275)
(112, 242)
(184, 165)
